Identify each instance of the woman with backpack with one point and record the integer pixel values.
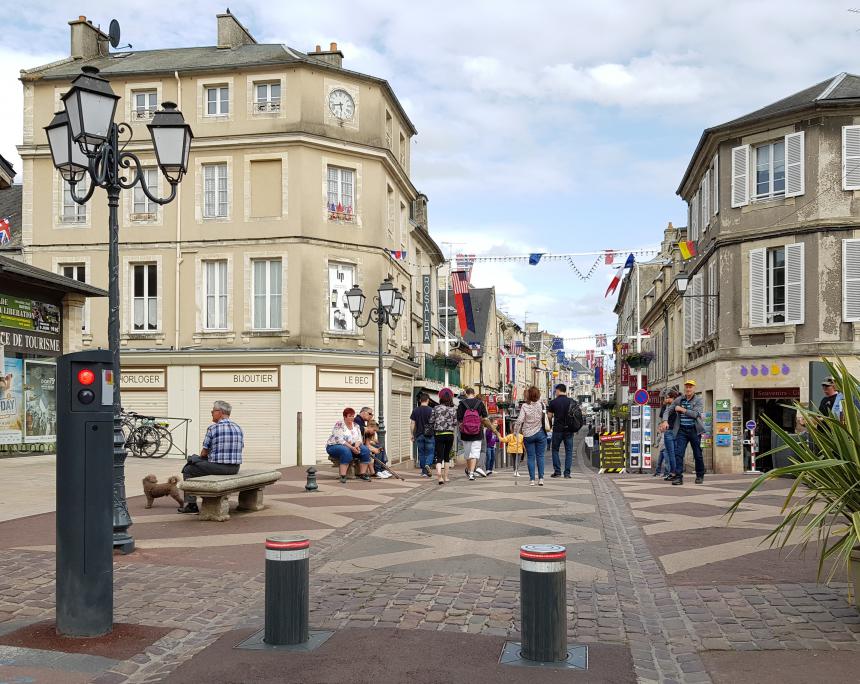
(443, 420)
(530, 424)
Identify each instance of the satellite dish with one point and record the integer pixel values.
(113, 33)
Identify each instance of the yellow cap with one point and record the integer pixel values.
(690, 382)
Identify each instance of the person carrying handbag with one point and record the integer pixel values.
(532, 425)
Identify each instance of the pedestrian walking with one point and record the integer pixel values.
(530, 424)
(514, 445)
(566, 418)
(443, 420)
(688, 430)
(492, 440)
(471, 416)
(422, 434)
(666, 432)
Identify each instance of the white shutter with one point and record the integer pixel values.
(851, 157)
(698, 308)
(794, 165)
(758, 299)
(740, 176)
(694, 228)
(259, 415)
(794, 283)
(851, 280)
(688, 321)
(712, 300)
(705, 194)
(716, 172)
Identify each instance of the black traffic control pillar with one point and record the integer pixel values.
(85, 493)
(287, 590)
(543, 602)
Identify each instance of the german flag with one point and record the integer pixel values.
(688, 249)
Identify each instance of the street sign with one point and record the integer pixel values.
(750, 425)
(641, 397)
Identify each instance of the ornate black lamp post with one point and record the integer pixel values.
(387, 308)
(85, 141)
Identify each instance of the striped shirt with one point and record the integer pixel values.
(686, 420)
(225, 441)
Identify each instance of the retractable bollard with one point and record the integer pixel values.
(543, 602)
(287, 590)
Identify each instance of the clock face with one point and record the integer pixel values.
(341, 104)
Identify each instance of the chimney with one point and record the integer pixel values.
(331, 56)
(87, 41)
(419, 211)
(231, 33)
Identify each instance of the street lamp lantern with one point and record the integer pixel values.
(171, 138)
(68, 158)
(355, 301)
(399, 304)
(386, 295)
(681, 282)
(90, 104)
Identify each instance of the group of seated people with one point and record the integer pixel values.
(355, 437)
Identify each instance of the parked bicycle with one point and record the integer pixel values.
(146, 437)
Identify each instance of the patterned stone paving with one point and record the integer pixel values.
(419, 556)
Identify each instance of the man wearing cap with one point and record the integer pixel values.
(688, 430)
(830, 393)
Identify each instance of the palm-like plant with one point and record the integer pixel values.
(824, 500)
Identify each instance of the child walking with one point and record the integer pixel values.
(492, 443)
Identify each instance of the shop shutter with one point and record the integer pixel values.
(146, 403)
(794, 165)
(397, 437)
(258, 413)
(758, 300)
(851, 280)
(329, 410)
(851, 157)
(794, 283)
(740, 176)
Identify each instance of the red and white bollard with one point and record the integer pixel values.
(287, 590)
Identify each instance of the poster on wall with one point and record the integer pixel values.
(40, 415)
(11, 402)
(341, 277)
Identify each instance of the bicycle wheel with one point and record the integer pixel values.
(165, 441)
(145, 441)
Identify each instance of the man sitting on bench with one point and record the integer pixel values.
(221, 453)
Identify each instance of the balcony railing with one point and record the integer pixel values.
(436, 371)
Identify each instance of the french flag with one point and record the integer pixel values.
(617, 278)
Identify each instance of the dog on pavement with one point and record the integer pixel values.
(153, 490)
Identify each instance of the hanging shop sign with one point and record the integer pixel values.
(29, 326)
(427, 310)
(244, 378)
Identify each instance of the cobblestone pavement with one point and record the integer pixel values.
(631, 601)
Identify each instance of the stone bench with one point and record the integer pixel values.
(215, 490)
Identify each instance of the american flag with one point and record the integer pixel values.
(459, 282)
(518, 347)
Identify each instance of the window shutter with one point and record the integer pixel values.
(851, 280)
(851, 157)
(758, 303)
(716, 172)
(688, 321)
(740, 176)
(794, 165)
(794, 283)
(698, 308)
(712, 301)
(705, 194)
(694, 230)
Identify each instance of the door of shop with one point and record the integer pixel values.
(773, 403)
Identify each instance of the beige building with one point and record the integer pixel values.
(299, 188)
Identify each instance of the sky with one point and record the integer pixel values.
(551, 127)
